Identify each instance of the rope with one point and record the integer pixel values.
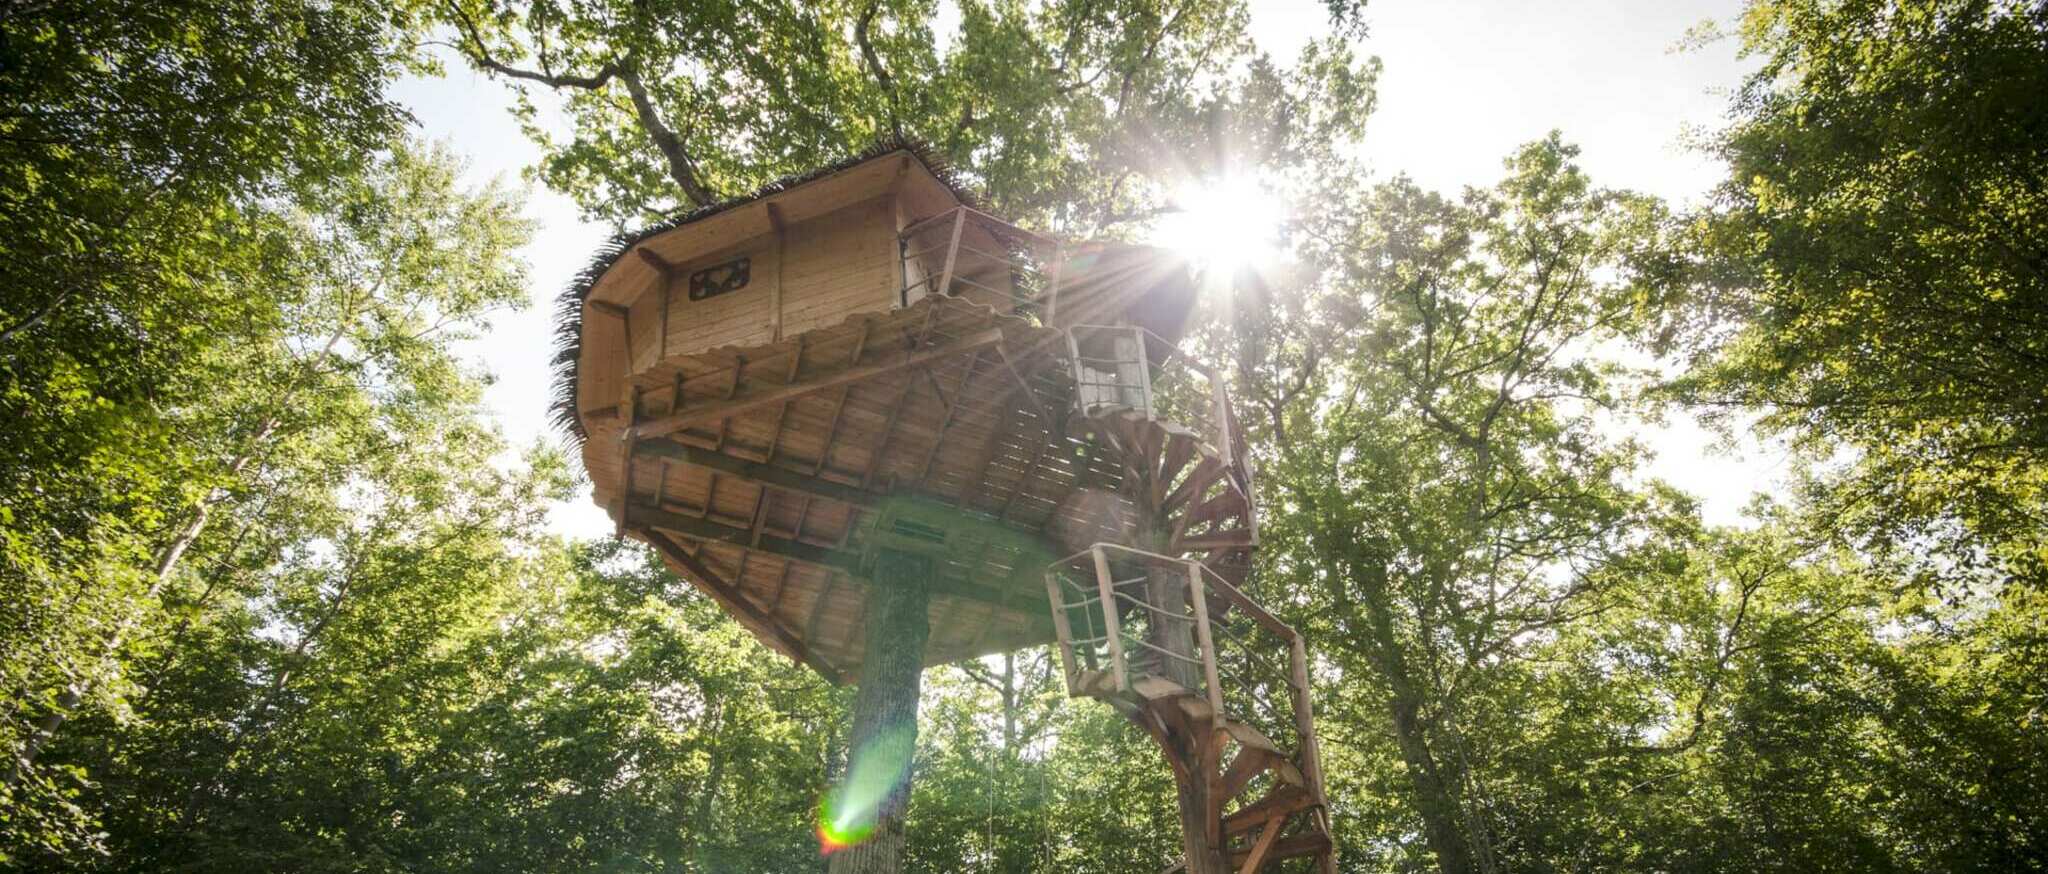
(988, 859)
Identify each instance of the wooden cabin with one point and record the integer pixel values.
(772, 391)
(908, 351)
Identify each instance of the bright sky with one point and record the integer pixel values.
(1464, 83)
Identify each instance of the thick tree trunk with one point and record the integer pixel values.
(1193, 795)
(1173, 631)
(1433, 797)
(892, 669)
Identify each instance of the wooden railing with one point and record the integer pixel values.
(1121, 614)
(939, 256)
(1128, 367)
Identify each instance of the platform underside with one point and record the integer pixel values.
(754, 470)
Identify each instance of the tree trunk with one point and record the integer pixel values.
(45, 729)
(1433, 797)
(892, 668)
(1171, 628)
(1193, 795)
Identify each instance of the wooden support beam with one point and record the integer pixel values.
(1304, 844)
(1235, 537)
(781, 228)
(729, 597)
(796, 363)
(661, 485)
(782, 584)
(790, 392)
(1249, 763)
(832, 431)
(867, 477)
(654, 260)
(989, 451)
(760, 516)
(818, 607)
(803, 517)
(952, 414)
(642, 516)
(839, 407)
(1024, 385)
(1030, 467)
(773, 476)
(1207, 471)
(1267, 835)
(1284, 800)
(952, 252)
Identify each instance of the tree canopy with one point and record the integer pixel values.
(276, 594)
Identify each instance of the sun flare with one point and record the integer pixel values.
(1223, 224)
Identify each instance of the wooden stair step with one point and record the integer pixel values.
(1249, 737)
(1226, 539)
(1180, 447)
(1153, 687)
(1285, 800)
(1224, 504)
(1206, 472)
(1304, 844)
(1098, 683)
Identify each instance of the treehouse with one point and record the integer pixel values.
(781, 392)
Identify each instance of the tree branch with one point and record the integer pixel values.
(874, 64)
(482, 56)
(680, 167)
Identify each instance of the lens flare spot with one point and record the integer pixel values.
(849, 812)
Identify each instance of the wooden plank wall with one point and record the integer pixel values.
(741, 318)
(840, 264)
(828, 268)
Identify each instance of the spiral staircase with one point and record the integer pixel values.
(1158, 625)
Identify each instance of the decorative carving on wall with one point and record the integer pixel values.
(720, 279)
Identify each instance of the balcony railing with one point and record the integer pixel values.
(1127, 367)
(1122, 614)
(964, 251)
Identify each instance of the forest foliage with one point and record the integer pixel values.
(275, 595)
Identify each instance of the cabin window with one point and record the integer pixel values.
(720, 279)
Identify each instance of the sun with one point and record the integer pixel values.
(1223, 224)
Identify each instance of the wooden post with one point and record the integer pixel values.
(1106, 584)
(781, 265)
(1203, 637)
(1060, 626)
(1311, 753)
(1304, 720)
(1144, 370)
(1052, 306)
(952, 251)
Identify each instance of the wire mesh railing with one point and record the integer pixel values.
(1124, 615)
(1129, 367)
(965, 252)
